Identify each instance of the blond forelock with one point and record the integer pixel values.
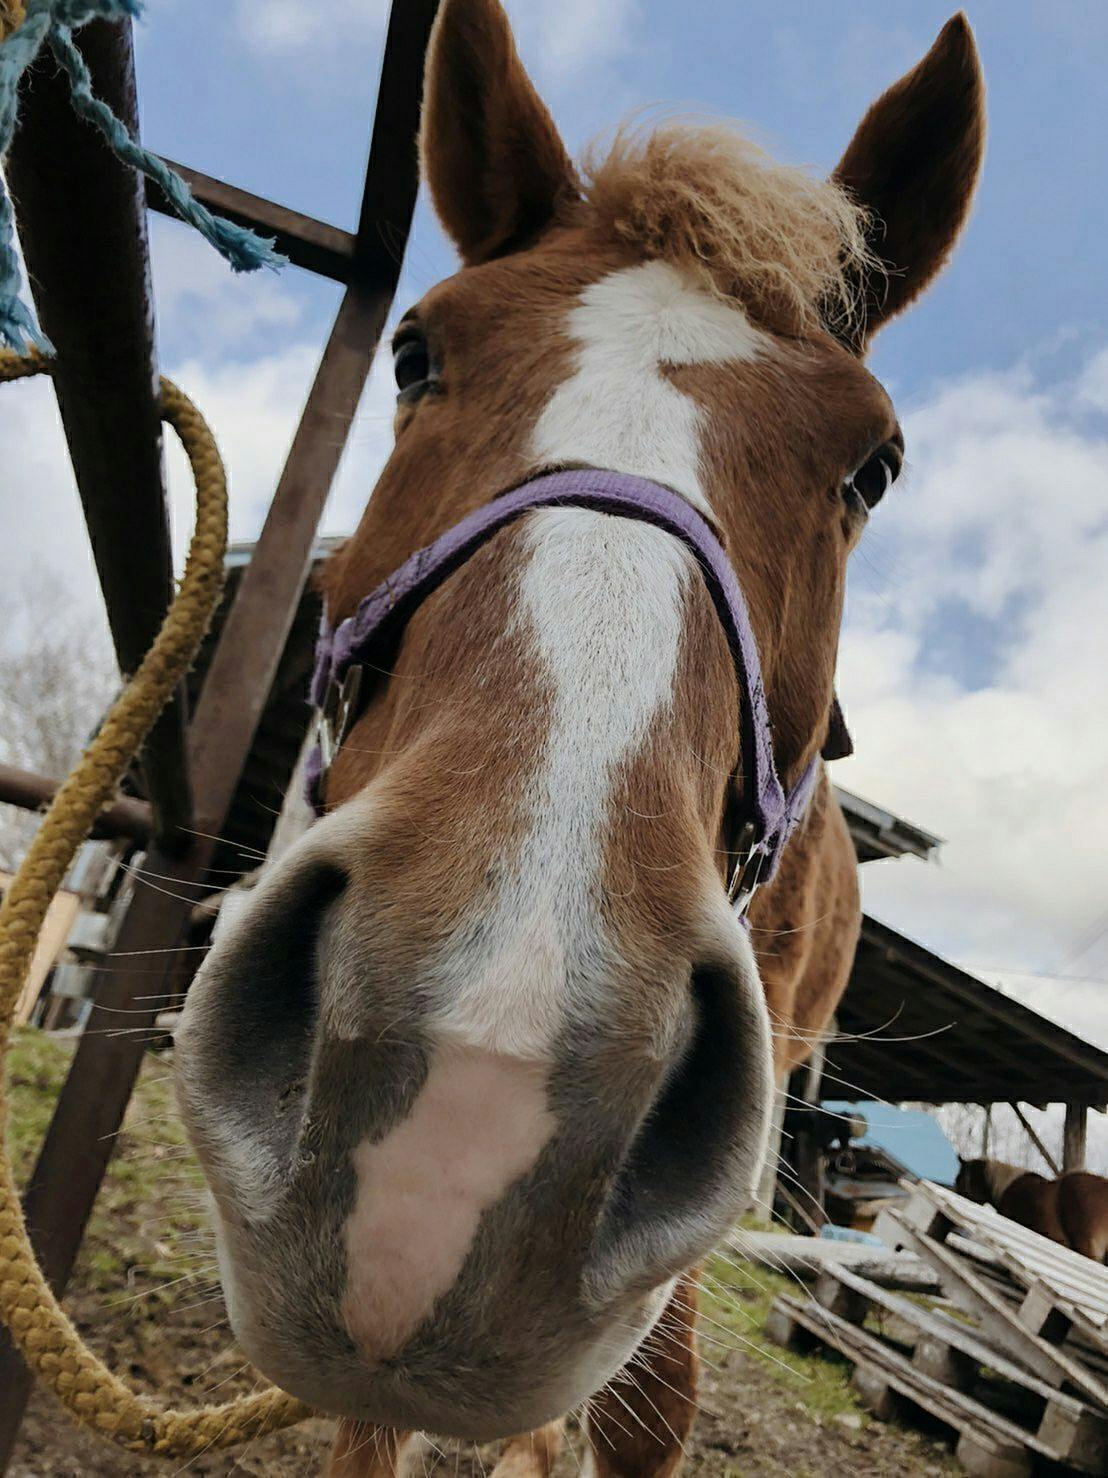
(788, 245)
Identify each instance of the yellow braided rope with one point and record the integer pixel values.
(47, 1340)
(12, 15)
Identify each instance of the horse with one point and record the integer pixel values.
(482, 1071)
(1071, 1209)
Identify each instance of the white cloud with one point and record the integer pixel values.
(290, 26)
(253, 407)
(974, 670)
(252, 401)
(253, 410)
(556, 41)
(1093, 384)
(39, 508)
(195, 285)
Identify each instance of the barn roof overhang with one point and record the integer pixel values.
(877, 833)
(913, 1027)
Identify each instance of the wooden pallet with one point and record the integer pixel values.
(944, 1376)
(995, 1275)
(989, 1446)
(1073, 1285)
(1043, 1305)
(1026, 1381)
(954, 1352)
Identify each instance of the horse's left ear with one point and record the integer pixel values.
(913, 163)
(494, 161)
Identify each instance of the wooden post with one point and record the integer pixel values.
(1073, 1137)
(125, 817)
(82, 228)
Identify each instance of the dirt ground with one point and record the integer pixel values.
(750, 1423)
(144, 1295)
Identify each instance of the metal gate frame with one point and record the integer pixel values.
(97, 307)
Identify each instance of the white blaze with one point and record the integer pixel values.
(618, 410)
(602, 598)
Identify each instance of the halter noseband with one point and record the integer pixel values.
(763, 816)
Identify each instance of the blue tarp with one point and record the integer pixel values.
(910, 1135)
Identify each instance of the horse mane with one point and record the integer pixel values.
(706, 198)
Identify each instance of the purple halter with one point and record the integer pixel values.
(763, 817)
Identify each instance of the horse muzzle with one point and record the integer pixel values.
(420, 1229)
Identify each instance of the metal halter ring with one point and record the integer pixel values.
(340, 705)
(747, 869)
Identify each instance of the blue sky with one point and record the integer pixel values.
(974, 651)
(285, 109)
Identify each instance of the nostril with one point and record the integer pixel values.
(269, 977)
(673, 1151)
(691, 1166)
(250, 1020)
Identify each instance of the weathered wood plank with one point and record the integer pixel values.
(807, 1257)
(887, 1368)
(1000, 1321)
(953, 1353)
(314, 245)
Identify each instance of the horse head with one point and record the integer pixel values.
(486, 1063)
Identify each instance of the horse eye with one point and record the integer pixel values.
(870, 482)
(411, 363)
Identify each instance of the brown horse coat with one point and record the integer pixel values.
(1072, 1210)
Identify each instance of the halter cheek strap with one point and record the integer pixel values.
(763, 815)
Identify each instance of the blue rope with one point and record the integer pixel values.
(17, 325)
(54, 21)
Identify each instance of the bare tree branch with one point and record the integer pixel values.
(57, 675)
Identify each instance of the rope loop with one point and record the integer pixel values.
(44, 1335)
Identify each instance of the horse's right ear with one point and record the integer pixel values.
(913, 164)
(495, 164)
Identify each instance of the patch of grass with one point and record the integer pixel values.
(149, 1225)
(37, 1065)
(737, 1295)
